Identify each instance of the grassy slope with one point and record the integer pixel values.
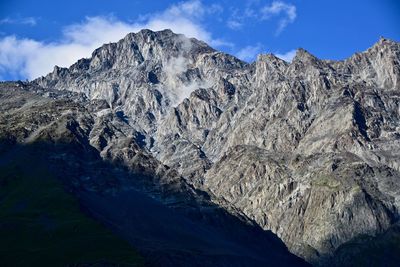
(42, 225)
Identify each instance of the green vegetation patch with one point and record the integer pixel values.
(327, 181)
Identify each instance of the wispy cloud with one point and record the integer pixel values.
(249, 52)
(31, 21)
(28, 58)
(288, 56)
(234, 24)
(278, 8)
(255, 11)
(238, 17)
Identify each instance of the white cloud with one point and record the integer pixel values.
(234, 24)
(249, 52)
(254, 10)
(27, 21)
(27, 58)
(14, 54)
(288, 56)
(278, 7)
(177, 90)
(238, 17)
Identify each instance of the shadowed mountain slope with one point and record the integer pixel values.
(134, 195)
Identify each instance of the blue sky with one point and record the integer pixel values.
(36, 35)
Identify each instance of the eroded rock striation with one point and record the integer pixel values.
(309, 150)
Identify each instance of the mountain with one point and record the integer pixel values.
(48, 159)
(195, 156)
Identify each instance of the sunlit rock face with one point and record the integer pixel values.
(309, 149)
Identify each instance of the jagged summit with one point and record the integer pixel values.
(172, 42)
(164, 67)
(386, 41)
(148, 45)
(304, 56)
(141, 46)
(269, 57)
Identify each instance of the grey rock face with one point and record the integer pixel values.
(97, 155)
(307, 149)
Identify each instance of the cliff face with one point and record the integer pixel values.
(307, 149)
(98, 158)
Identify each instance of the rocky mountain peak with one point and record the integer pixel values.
(307, 149)
(386, 42)
(303, 55)
(269, 67)
(304, 59)
(272, 60)
(378, 66)
(135, 48)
